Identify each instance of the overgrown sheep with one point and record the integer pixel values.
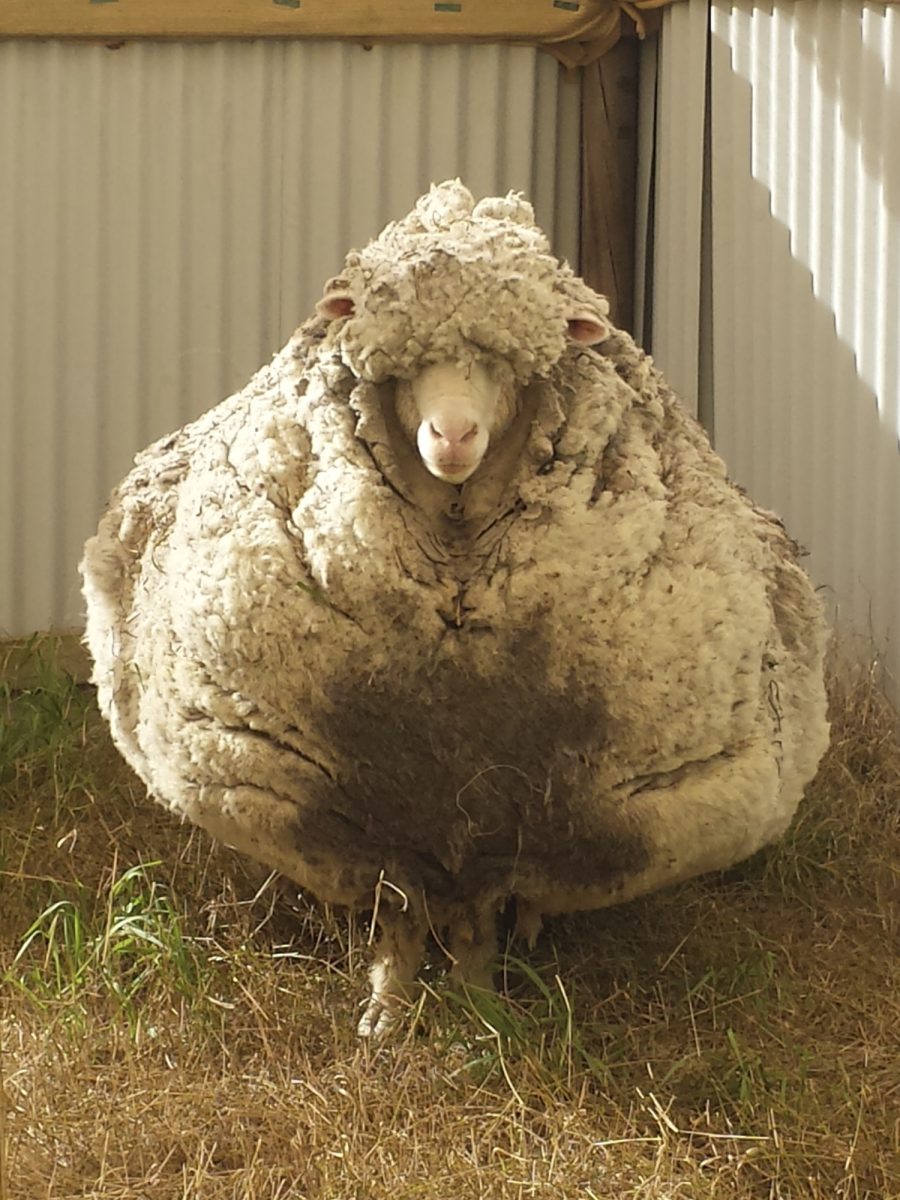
(453, 603)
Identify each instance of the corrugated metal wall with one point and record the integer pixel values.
(168, 215)
(680, 108)
(803, 261)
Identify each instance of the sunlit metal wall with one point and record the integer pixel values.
(168, 215)
(802, 268)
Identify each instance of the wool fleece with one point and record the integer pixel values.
(590, 669)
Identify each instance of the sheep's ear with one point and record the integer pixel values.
(335, 305)
(587, 329)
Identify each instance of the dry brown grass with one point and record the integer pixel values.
(184, 1030)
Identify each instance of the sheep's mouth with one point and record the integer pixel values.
(451, 470)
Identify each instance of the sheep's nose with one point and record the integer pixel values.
(452, 432)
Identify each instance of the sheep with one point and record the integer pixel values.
(454, 604)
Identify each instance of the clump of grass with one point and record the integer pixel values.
(532, 1016)
(42, 725)
(117, 944)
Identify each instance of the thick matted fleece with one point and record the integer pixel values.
(592, 670)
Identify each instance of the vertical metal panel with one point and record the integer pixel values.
(168, 214)
(643, 283)
(806, 285)
(681, 114)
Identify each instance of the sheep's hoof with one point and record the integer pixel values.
(476, 980)
(377, 1021)
(399, 955)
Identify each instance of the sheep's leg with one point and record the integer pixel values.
(398, 957)
(528, 921)
(473, 948)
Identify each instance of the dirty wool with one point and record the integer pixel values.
(453, 605)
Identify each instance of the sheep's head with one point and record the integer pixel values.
(463, 304)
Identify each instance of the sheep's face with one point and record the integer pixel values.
(462, 304)
(452, 412)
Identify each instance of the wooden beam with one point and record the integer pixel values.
(609, 171)
(530, 21)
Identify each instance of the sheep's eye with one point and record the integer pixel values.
(491, 364)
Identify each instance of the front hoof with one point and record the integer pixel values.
(399, 954)
(377, 1021)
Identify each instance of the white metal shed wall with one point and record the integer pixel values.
(803, 265)
(168, 215)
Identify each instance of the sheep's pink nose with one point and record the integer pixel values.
(452, 432)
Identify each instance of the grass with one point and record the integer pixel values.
(177, 1026)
